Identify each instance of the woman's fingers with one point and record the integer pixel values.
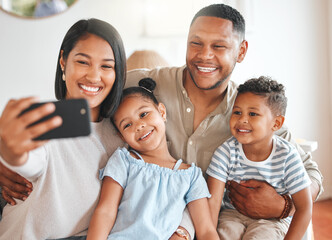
(41, 128)
(36, 114)
(15, 107)
(15, 131)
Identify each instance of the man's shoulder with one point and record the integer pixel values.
(233, 85)
(159, 75)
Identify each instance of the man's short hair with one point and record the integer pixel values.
(225, 12)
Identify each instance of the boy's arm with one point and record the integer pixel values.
(303, 211)
(216, 189)
(201, 217)
(104, 216)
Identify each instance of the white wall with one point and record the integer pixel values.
(288, 40)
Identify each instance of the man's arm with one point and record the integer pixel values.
(13, 185)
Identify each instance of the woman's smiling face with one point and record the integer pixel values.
(89, 71)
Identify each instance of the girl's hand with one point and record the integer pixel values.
(176, 237)
(16, 139)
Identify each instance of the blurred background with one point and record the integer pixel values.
(288, 40)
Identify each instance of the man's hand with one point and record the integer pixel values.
(13, 185)
(256, 199)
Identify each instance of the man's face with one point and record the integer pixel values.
(213, 49)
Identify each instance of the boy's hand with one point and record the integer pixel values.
(256, 199)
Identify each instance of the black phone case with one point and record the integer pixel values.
(75, 114)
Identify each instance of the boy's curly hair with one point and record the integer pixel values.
(268, 88)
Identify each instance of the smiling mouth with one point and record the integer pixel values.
(243, 131)
(206, 69)
(90, 89)
(146, 135)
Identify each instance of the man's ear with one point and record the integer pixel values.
(242, 51)
(278, 122)
(162, 110)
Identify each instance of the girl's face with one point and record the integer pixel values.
(89, 71)
(141, 123)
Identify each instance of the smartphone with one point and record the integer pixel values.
(75, 114)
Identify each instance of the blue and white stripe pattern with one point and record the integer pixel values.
(283, 169)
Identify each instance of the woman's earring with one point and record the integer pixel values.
(63, 75)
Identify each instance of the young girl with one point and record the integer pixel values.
(145, 189)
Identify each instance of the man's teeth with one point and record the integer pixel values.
(90, 89)
(206, 69)
(145, 135)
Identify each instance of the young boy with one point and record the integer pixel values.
(254, 152)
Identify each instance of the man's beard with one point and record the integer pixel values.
(216, 85)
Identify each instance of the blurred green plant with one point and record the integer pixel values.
(24, 8)
(69, 2)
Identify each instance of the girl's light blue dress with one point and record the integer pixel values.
(154, 197)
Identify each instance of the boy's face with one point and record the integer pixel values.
(141, 123)
(252, 121)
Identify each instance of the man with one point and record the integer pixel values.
(199, 98)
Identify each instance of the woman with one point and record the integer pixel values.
(64, 173)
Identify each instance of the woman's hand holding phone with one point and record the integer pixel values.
(16, 137)
(25, 125)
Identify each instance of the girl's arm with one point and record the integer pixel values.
(200, 214)
(302, 216)
(216, 189)
(104, 216)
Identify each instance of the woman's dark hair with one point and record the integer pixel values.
(271, 90)
(225, 12)
(107, 32)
